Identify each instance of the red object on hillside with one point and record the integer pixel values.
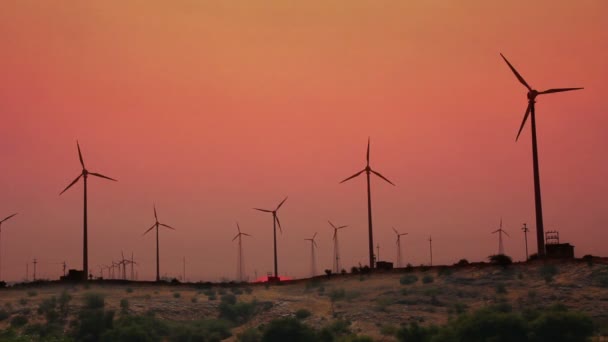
(264, 279)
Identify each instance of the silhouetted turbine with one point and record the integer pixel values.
(369, 170)
(85, 174)
(313, 265)
(156, 225)
(6, 218)
(240, 261)
(532, 93)
(337, 267)
(501, 248)
(275, 221)
(398, 246)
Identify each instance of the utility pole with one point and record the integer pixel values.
(431, 248)
(35, 262)
(64, 266)
(526, 230)
(378, 253)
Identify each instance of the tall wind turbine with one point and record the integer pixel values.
(530, 111)
(6, 218)
(85, 174)
(500, 231)
(367, 171)
(399, 235)
(313, 265)
(275, 221)
(240, 260)
(337, 267)
(157, 225)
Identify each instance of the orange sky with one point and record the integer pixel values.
(212, 108)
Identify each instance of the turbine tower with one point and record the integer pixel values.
(240, 259)
(275, 222)
(399, 235)
(84, 174)
(157, 225)
(530, 111)
(313, 265)
(500, 231)
(525, 230)
(337, 266)
(6, 218)
(367, 171)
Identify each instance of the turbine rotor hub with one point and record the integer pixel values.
(532, 94)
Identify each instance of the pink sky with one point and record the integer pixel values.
(210, 109)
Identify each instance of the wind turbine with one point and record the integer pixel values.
(526, 230)
(275, 221)
(399, 235)
(530, 111)
(367, 171)
(84, 174)
(6, 218)
(240, 261)
(132, 262)
(313, 265)
(500, 231)
(156, 225)
(337, 267)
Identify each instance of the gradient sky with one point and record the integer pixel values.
(212, 108)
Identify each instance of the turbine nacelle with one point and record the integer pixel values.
(532, 94)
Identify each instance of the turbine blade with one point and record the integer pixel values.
(80, 154)
(507, 234)
(496, 231)
(342, 227)
(69, 186)
(381, 176)
(331, 224)
(353, 176)
(237, 235)
(313, 237)
(155, 216)
(395, 230)
(146, 232)
(238, 228)
(246, 234)
(521, 79)
(314, 243)
(279, 223)
(368, 151)
(335, 234)
(264, 210)
(166, 226)
(102, 176)
(523, 123)
(8, 217)
(280, 204)
(558, 90)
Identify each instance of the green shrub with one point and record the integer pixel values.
(501, 289)
(408, 279)
(129, 290)
(23, 301)
(64, 300)
(500, 260)
(228, 299)
(250, 335)
(236, 290)
(303, 314)
(288, 329)
(388, 330)
(248, 289)
(92, 323)
(427, 279)
(18, 321)
(547, 272)
(559, 326)
(416, 333)
(94, 300)
(144, 328)
(176, 295)
(124, 305)
(32, 293)
(4, 315)
(337, 294)
(237, 313)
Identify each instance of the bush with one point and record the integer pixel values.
(23, 301)
(561, 326)
(124, 305)
(144, 328)
(462, 262)
(93, 300)
(501, 289)
(388, 330)
(129, 290)
(548, 271)
(288, 329)
(64, 300)
(500, 260)
(337, 294)
(427, 279)
(237, 313)
(176, 295)
(302, 314)
(415, 333)
(194, 299)
(32, 293)
(4, 315)
(250, 335)
(408, 279)
(18, 321)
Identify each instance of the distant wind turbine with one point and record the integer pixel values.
(275, 221)
(367, 171)
(337, 266)
(85, 174)
(532, 93)
(240, 261)
(313, 265)
(500, 231)
(6, 218)
(156, 225)
(399, 235)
